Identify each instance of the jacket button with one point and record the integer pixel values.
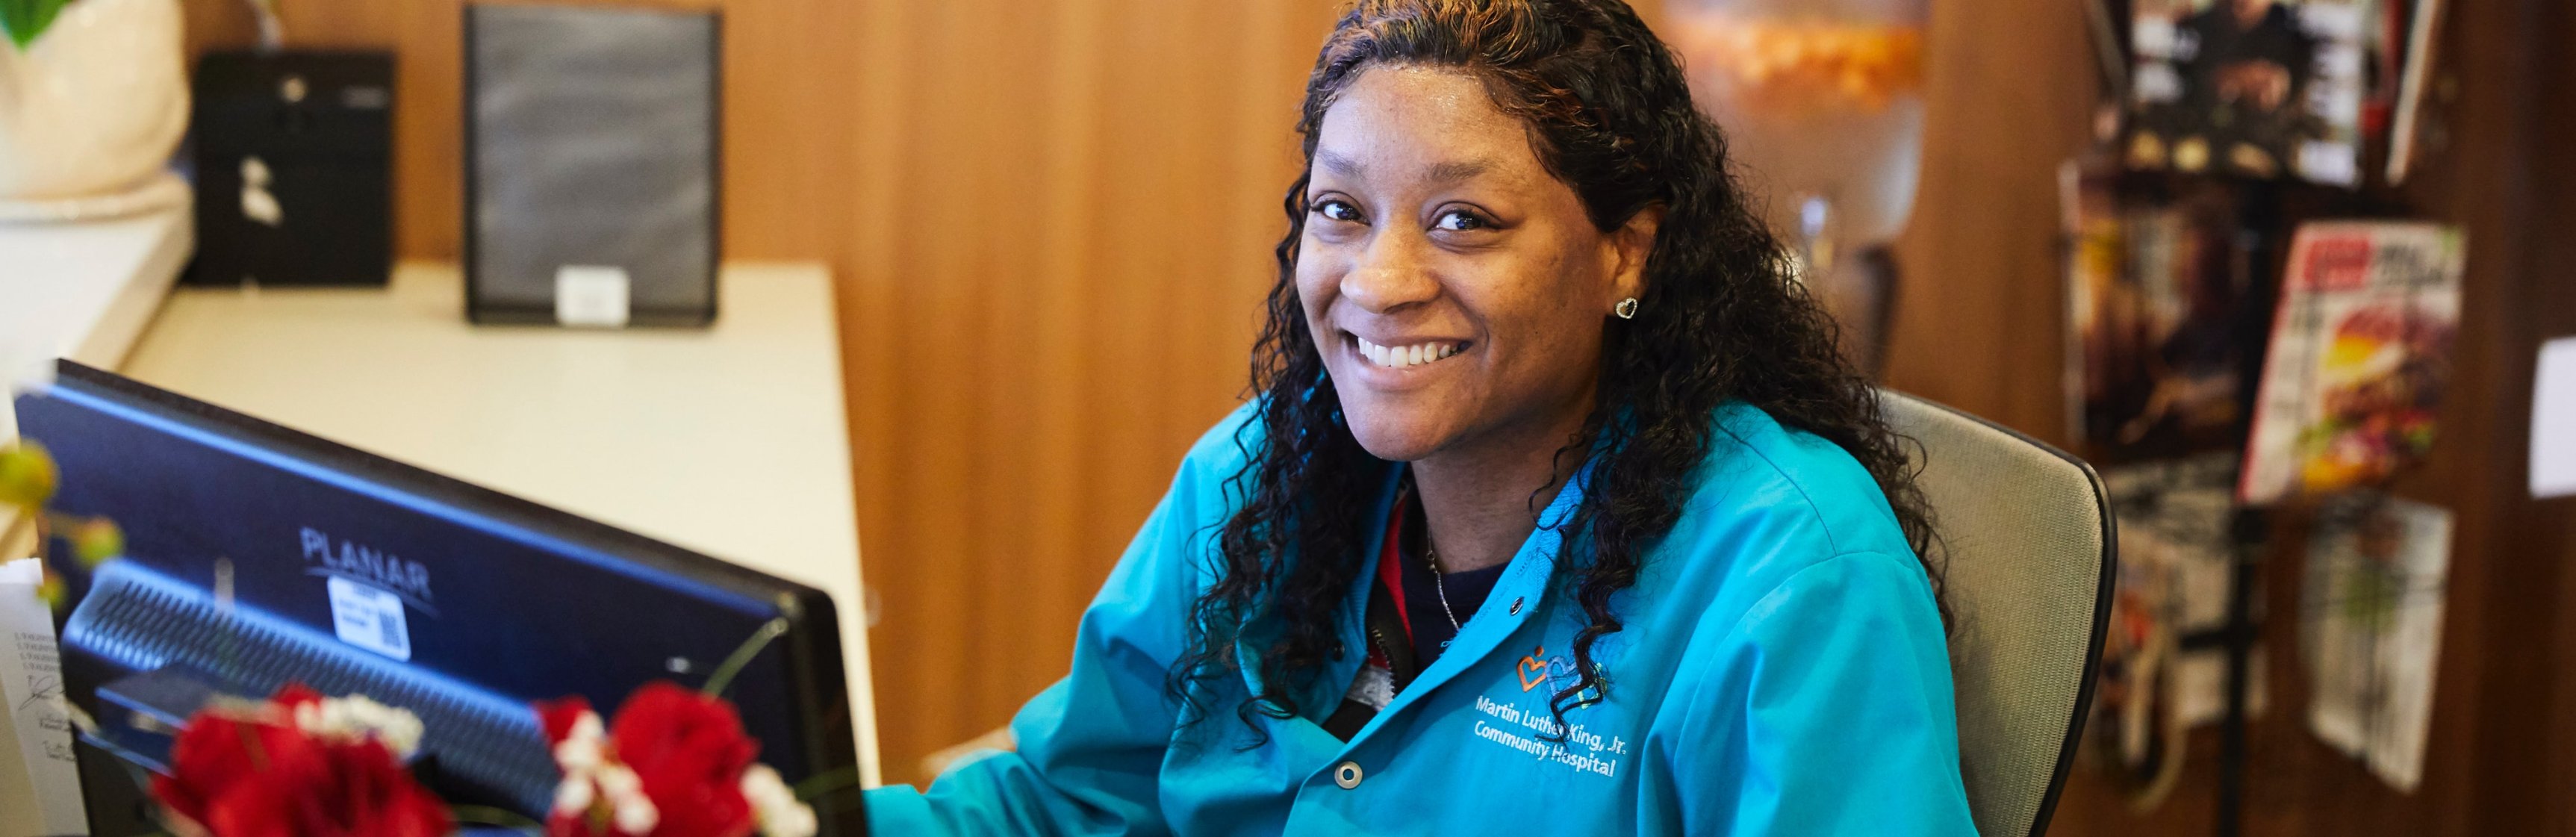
(1347, 775)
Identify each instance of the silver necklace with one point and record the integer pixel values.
(1440, 584)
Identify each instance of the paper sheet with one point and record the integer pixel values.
(2553, 420)
(43, 795)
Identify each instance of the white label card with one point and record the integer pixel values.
(370, 618)
(591, 295)
(2553, 420)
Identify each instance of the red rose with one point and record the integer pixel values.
(689, 752)
(254, 774)
(354, 790)
(214, 755)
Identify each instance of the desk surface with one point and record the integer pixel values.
(730, 441)
(83, 290)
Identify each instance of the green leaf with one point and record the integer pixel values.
(26, 19)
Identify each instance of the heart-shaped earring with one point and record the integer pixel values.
(1626, 309)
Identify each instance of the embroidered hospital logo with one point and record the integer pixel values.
(1561, 676)
(1556, 673)
(1534, 669)
(1536, 733)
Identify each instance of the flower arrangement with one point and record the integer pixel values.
(673, 762)
(298, 765)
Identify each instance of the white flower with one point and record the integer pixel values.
(638, 818)
(583, 747)
(615, 787)
(619, 782)
(631, 810)
(574, 795)
(356, 718)
(775, 805)
(591, 778)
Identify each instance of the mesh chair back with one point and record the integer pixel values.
(2027, 534)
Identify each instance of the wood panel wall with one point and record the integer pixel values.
(1061, 226)
(787, 64)
(1050, 223)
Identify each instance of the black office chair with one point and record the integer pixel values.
(2027, 533)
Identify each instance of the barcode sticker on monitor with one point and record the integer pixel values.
(370, 618)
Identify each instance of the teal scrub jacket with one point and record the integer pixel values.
(1782, 671)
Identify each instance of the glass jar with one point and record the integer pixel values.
(1822, 105)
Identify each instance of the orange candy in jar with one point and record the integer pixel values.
(1773, 64)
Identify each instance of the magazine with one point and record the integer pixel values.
(2373, 597)
(2160, 302)
(2254, 88)
(2360, 354)
(2163, 672)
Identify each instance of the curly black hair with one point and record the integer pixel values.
(1722, 318)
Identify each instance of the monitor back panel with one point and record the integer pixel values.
(352, 573)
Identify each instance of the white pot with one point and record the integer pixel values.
(95, 105)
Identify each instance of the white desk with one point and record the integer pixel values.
(730, 441)
(82, 291)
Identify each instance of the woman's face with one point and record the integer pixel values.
(1457, 290)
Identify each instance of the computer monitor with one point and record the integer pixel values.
(351, 573)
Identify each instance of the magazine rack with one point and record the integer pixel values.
(2260, 218)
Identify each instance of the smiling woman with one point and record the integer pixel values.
(1435, 231)
(1554, 493)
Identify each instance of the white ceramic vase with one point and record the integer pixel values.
(95, 105)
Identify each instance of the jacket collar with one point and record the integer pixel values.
(1517, 595)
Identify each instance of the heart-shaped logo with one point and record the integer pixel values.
(1533, 671)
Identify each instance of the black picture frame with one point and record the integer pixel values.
(480, 308)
